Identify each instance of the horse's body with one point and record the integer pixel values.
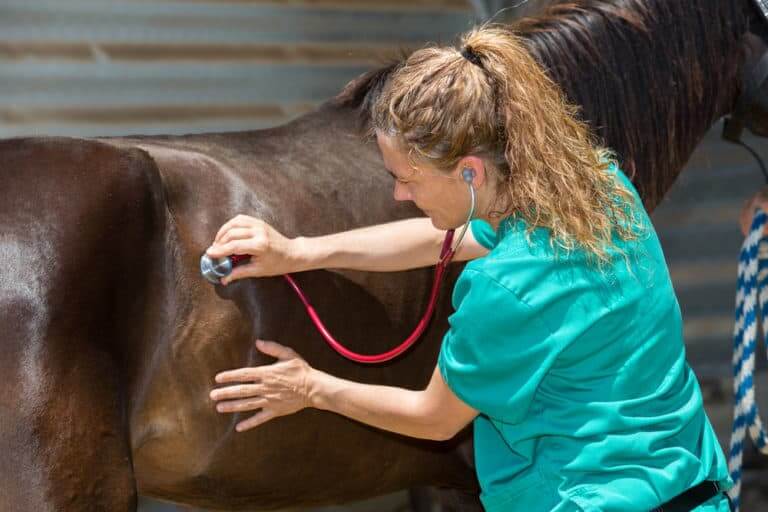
(110, 337)
(142, 334)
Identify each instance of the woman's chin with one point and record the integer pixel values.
(436, 222)
(440, 224)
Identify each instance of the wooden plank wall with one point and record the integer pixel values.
(110, 67)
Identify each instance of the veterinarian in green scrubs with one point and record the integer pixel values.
(588, 402)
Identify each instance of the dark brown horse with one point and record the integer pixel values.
(110, 337)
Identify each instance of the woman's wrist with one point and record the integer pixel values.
(316, 387)
(306, 254)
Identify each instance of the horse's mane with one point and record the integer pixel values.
(650, 75)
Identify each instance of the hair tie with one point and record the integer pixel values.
(468, 53)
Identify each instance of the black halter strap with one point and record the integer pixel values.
(734, 124)
(763, 6)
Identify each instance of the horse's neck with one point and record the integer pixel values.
(652, 76)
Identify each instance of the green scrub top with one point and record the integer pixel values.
(586, 400)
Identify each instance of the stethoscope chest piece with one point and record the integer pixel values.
(214, 269)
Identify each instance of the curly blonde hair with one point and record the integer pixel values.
(503, 108)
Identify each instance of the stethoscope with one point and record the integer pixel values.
(214, 269)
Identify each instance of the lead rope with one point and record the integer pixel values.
(752, 289)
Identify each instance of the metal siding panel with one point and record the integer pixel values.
(77, 20)
(323, 54)
(28, 84)
(87, 67)
(359, 5)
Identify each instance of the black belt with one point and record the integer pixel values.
(691, 498)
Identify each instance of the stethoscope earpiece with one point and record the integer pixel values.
(468, 174)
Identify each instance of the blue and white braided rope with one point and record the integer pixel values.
(752, 289)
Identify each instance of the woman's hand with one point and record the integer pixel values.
(759, 200)
(271, 252)
(277, 389)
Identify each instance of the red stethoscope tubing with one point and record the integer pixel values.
(446, 254)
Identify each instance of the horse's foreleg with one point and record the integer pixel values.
(63, 441)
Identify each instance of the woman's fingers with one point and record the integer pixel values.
(759, 200)
(257, 419)
(225, 244)
(245, 404)
(248, 374)
(246, 245)
(239, 391)
(241, 271)
(236, 233)
(243, 246)
(276, 350)
(240, 221)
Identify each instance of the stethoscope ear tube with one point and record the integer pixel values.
(469, 216)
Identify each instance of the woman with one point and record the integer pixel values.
(565, 349)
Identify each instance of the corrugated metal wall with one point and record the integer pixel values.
(109, 67)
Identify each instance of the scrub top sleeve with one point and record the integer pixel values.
(496, 351)
(483, 233)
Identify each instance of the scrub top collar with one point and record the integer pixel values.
(506, 225)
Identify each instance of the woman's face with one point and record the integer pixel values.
(443, 197)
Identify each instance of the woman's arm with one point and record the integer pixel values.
(399, 245)
(290, 385)
(434, 413)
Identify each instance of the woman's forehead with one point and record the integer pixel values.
(396, 158)
(391, 151)
(387, 142)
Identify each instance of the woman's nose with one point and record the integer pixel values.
(401, 192)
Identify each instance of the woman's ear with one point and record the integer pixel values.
(474, 166)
